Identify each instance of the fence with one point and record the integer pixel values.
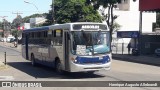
(120, 48)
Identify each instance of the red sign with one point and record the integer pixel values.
(1, 30)
(149, 5)
(20, 28)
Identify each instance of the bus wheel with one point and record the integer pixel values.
(91, 72)
(33, 60)
(59, 67)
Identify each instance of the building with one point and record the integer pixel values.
(25, 26)
(129, 16)
(129, 19)
(37, 21)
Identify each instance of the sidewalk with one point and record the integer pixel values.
(143, 59)
(9, 46)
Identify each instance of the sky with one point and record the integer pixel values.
(8, 7)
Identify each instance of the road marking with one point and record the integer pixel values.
(6, 78)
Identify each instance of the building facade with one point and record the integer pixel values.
(36, 21)
(129, 16)
(129, 20)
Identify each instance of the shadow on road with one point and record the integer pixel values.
(41, 71)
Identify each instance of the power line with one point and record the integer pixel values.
(22, 11)
(3, 17)
(18, 13)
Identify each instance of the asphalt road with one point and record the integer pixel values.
(20, 69)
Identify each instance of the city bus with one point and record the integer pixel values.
(71, 47)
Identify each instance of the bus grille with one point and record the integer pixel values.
(94, 60)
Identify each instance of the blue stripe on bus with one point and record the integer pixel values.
(88, 60)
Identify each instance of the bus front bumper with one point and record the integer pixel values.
(89, 67)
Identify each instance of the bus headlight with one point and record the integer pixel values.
(74, 60)
(106, 59)
(109, 59)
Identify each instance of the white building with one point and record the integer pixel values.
(128, 17)
(25, 26)
(37, 21)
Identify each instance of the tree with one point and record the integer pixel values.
(15, 24)
(1, 27)
(108, 5)
(6, 26)
(73, 11)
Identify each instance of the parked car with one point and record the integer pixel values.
(3, 39)
(157, 51)
(12, 40)
(9, 38)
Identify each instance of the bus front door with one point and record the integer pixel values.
(66, 52)
(26, 46)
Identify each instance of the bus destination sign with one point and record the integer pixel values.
(89, 27)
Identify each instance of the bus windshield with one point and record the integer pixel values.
(90, 42)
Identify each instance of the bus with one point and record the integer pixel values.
(71, 47)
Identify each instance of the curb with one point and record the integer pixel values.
(3, 66)
(15, 49)
(135, 61)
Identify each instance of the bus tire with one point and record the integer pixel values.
(33, 60)
(58, 67)
(91, 72)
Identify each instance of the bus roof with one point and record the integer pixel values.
(58, 26)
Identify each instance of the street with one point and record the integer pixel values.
(22, 70)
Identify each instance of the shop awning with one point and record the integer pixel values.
(149, 5)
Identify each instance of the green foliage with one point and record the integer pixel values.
(73, 11)
(16, 33)
(1, 26)
(17, 22)
(109, 17)
(109, 4)
(6, 26)
(116, 27)
(104, 3)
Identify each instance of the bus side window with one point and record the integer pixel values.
(56, 42)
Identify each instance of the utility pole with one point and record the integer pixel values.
(17, 13)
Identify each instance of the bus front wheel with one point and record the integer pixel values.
(91, 72)
(59, 67)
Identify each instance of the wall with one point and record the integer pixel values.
(129, 20)
(150, 43)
